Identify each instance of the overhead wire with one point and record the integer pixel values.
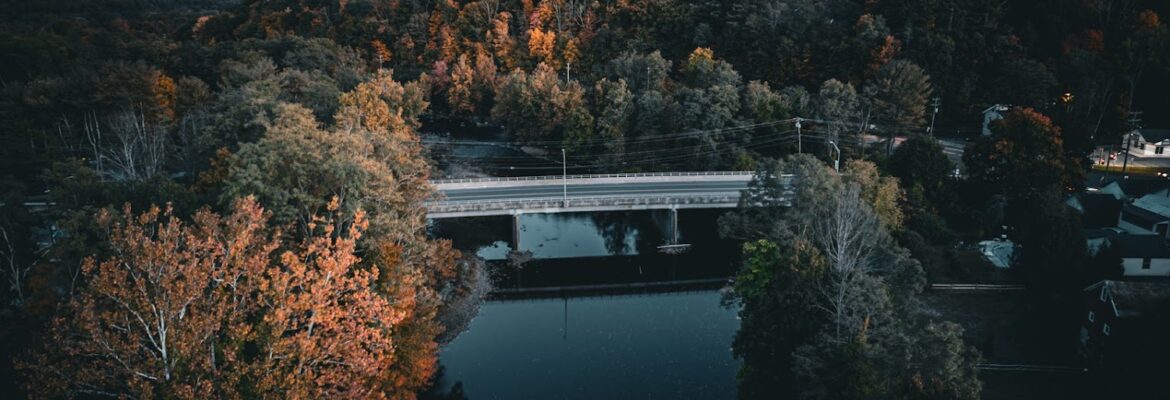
(676, 152)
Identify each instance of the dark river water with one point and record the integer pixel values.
(663, 342)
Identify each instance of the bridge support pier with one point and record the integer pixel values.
(516, 231)
(673, 225)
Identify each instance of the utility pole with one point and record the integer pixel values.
(836, 162)
(568, 67)
(798, 138)
(935, 102)
(1108, 160)
(1135, 120)
(564, 179)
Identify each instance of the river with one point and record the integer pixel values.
(647, 344)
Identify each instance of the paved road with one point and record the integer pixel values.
(554, 190)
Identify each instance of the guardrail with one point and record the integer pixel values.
(975, 286)
(589, 176)
(1029, 368)
(557, 202)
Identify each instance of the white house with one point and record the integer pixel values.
(1143, 255)
(992, 114)
(1147, 214)
(1148, 142)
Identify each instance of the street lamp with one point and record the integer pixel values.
(935, 102)
(564, 180)
(836, 162)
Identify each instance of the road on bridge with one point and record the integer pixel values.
(608, 192)
(555, 190)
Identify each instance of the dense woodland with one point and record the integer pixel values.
(203, 197)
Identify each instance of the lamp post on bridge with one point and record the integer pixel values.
(564, 180)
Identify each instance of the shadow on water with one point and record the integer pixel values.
(571, 249)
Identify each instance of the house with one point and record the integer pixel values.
(1147, 214)
(1132, 187)
(1110, 304)
(1147, 142)
(1142, 255)
(992, 114)
(1098, 209)
(1123, 333)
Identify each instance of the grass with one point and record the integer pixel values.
(1132, 169)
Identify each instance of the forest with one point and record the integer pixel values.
(226, 198)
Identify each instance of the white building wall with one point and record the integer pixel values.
(1158, 267)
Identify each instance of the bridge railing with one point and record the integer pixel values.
(550, 202)
(589, 176)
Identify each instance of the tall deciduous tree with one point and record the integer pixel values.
(150, 320)
(839, 105)
(209, 309)
(899, 94)
(1022, 157)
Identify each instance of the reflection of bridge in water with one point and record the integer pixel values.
(615, 289)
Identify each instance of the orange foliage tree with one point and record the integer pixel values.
(207, 309)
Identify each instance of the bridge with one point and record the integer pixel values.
(584, 193)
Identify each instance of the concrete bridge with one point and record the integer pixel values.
(584, 193)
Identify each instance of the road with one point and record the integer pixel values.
(624, 189)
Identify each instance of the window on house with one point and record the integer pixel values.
(1102, 294)
(1092, 317)
(1145, 263)
(1158, 150)
(1105, 329)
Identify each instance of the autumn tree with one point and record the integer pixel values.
(883, 194)
(151, 321)
(459, 94)
(1023, 157)
(324, 331)
(209, 308)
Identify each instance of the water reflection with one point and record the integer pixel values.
(659, 346)
(579, 235)
(575, 235)
(571, 249)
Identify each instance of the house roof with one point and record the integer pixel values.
(1099, 210)
(1137, 298)
(1158, 203)
(1154, 135)
(1134, 186)
(997, 108)
(1114, 189)
(1101, 233)
(1140, 246)
(1141, 217)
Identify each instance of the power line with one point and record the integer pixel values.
(691, 133)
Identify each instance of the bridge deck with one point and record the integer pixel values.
(503, 196)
